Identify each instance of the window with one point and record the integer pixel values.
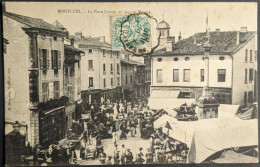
(221, 58)
(250, 97)
(104, 68)
(71, 72)
(111, 67)
(175, 75)
(246, 55)
(245, 98)
(117, 54)
(111, 54)
(221, 75)
(55, 38)
(90, 82)
(186, 75)
(45, 89)
(112, 81)
(131, 79)
(118, 80)
(126, 79)
(159, 76)
(245, 75)
(44, 58)
(202, 75)
(251, 56)
(90, 64)
(56, 90)
(104, 53)
(90, 51)
(187, 58)
(159, 59)
(125, 67)
(56, 59)
(104, 82)
(251, 74)
(117, 68)
(175, 59)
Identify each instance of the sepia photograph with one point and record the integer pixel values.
(123, 83)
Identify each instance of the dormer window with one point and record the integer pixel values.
(159, 59)
(55, 38)
(187, 58)
(221, 58)
(175, 59)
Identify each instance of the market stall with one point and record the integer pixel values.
(209, 141)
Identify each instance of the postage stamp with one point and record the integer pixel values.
(130, 31)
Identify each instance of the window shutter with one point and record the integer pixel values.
(48, 59)
(52, 58)
(40, 56)
(59, 59)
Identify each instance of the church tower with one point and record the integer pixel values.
(163, 32)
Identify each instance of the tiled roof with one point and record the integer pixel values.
(32, 22)
(92, 42)
(162, 25)
(58, 25)
(69, 47)
(221, 42)
(132, 62)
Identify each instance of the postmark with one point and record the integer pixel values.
(133, 31)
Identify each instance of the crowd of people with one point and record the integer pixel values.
(116, 122)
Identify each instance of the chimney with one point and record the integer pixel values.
(238, 40)
(3, 7)
(72, 42)
(179, 38)
(169, 46)
(243, 29)
(101, 39)
(78, 34)
(217, 30)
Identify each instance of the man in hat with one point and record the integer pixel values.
(123, 154)
(149, 156)
(139, 159)
(14, 146)
(108, 162)
(140, 151)
(129, 157)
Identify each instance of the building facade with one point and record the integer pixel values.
(133, 75)
(100, 70)
(37, 50)
(72, 83)
(181, 67)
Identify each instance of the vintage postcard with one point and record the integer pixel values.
(119, 83)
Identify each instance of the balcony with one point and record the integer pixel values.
(104, 72)
(111, 72)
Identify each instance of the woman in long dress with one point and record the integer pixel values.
(115, 109)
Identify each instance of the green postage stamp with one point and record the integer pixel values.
(130, 31)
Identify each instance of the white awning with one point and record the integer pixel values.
(165, 94)
(166, 99)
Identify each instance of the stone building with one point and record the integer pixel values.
(132, 74)
(100, 70)
(72, 83)
(34, 66)
(180, 67)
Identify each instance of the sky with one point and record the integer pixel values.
(185, 17)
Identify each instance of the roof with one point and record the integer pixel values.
(163, 25)
(92, 42)
(32, 22)
(221, 42)
(58, 25)
(71, 48)
(132, 62)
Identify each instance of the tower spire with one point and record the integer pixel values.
(163, 15)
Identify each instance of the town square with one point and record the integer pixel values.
(121, 83)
